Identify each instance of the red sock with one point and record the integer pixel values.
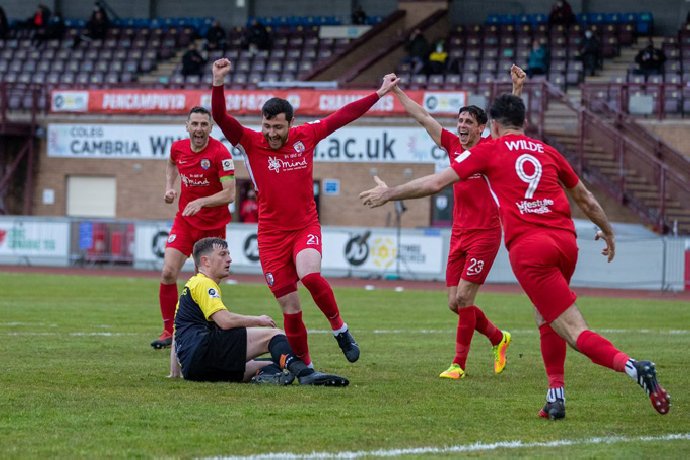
(486, 327)
(553, 349)
(167, 297)
(463, 337)
(601, 351)
(296, 333)
(322, 294)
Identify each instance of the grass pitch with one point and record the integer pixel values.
(79, 380)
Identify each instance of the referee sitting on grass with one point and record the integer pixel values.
(211, 343)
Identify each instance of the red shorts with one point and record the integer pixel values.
(278, 250)
(471, 255)
(543, 263)
(183, 236)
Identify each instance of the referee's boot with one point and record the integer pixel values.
(164, 341)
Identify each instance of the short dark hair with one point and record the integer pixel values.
(205, 246)
(199, 109)
(478, 113)
(509, 111)
(275, 106)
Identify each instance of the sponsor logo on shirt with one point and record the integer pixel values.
(535, 207)
(213, 293)
(276, 164)
(205, 163)
(299, 147)
(194, 181)
(228, 165)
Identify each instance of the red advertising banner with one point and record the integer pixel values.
(305, 101)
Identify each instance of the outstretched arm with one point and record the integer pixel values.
(229, 125)
(227, 320)
(356, 109)
(417, 188)
(423, 117)
(593, 210)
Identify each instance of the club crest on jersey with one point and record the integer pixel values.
(171, 238)
(269, 279)
(205, 164)
(213, 293)
(298, 146)
(274, 164)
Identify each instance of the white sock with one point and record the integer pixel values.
(630, 369)
(342, 329)
(554, 394)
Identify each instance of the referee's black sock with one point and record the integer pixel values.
(282, 355)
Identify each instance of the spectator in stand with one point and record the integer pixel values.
(216, 39)
(249, 211)
(359, 17)
(192, 61)
(561, 14)
(4, 24)
(53, 31)
(438, 58)
(537, 60)
(650, 60)
(96, 27)
(417, 48)
(39, 19)
(257, 37)
(590, 51)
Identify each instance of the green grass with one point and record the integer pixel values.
(66, 392)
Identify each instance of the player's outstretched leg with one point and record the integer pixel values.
(646, 377)
(319, 378)
(554, 409)
(499, 351)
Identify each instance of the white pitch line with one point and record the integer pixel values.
(462, 448)
(321, 331)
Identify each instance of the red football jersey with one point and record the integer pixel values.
(475, 207)
(283, 178)
(526, 176)
(200, 176)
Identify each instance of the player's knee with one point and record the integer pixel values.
(169, 275)
(463, 300)
(453, 305)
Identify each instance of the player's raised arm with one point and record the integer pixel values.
(423, 117)
(356, 109)
(518, 76)
(229, 125)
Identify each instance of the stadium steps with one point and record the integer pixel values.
(637, 187)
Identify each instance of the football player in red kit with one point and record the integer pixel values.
(280, 161)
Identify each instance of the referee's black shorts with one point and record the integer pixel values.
(223, 359)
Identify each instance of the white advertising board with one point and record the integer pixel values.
(34, 239)
(355, 144)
